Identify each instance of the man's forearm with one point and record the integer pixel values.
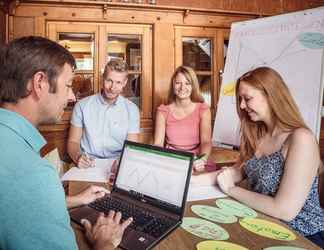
(71, 201)
(74, 151)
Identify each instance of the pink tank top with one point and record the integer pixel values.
(183, 134)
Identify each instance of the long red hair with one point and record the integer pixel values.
(283, 107)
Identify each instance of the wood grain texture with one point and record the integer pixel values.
(2, 27)
(182, 240)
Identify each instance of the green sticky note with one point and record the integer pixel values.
(284, 248)
(213, 214)
(204, 229)
(218, 245)
(236, 208)
(267, 229)
(312, 40)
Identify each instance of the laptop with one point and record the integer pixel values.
(151, 185)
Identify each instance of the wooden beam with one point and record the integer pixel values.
(142, 6)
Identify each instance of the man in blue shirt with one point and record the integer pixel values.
(35, 85)
(102, 122)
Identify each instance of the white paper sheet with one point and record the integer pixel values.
(99, 173)
(201, 192)
(54, 158)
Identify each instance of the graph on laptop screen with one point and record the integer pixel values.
(158, 174)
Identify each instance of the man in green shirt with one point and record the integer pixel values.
(35, 85)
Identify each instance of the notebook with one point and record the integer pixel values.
(151, 185)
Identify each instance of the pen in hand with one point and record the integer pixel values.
(199, 163)
(90, 159)
(198, 157)
(86, 161)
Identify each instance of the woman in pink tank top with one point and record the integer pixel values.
(185, 122)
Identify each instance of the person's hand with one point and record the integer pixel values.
(199, 164)
(225, 179)
(85, 161)
(91, 194)
(107, 230)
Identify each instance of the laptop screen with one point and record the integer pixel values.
(154, 172)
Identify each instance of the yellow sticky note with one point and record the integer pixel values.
(218, 245)
(267, 229)
(229, 89)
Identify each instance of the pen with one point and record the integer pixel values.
(198, 157)
(89, 158)
(86, 154)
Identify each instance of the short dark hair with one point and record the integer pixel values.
(22, 58)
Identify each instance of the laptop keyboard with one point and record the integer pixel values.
(143, 221)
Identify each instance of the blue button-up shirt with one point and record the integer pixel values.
(105, 126)
(33, 213)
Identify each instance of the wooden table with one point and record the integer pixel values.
(181, 239)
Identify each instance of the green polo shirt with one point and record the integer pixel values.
(33, 213)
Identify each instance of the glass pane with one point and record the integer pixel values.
(205, 87)
(225, 49)
(81, 45)
(126, 47)
(132, 90)
(82, 84)
(196, 53)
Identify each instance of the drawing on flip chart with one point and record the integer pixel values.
(293, 45)
(258, 58)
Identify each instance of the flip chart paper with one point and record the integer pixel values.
(213, 213)
(204, 229)
(267, 229)
(236, 208)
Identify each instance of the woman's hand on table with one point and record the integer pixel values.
(226, 179)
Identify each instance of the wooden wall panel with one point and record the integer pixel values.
(21, 26)
(315, 3)
(163, 62)
(229, 5)
(248, 6)
(2, 26)
(294, 5)
(269, 7)
(56, 138)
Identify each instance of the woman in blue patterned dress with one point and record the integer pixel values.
(279, 156)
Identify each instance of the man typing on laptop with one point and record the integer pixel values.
(36, 84)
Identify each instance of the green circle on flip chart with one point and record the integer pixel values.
(213, 213)
(218, 245)
(236, 208)
(267, 229)
(284, 248)
(312, 40)
(204, 229)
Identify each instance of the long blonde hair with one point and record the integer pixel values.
(282, 105)
(191, 76)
